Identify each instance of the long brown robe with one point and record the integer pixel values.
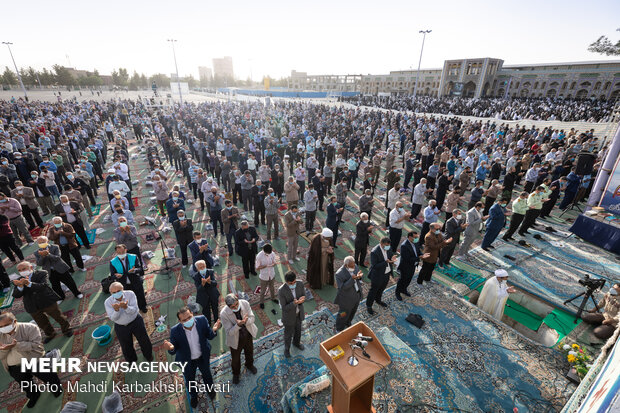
(320, 269)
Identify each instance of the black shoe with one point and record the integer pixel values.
(247, 276)
(261, 305)
(492, 247)
(505, 239)
(88, 247)
(47, 339)
(406, 293)
(486, 249)
(275, 301)
(252, 369)
(144, 311)
(370, 310)
(398, 297)
(235, 379)
(253, 273)
(58, 392)
(287, 354)
(299, 346)
(69, 333)
(382, 304)
(33, 400)
(149, 358)
(194, 402)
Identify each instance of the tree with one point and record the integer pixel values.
(8, 77)
(29, 76)
(604, 46)
(144, 82)
(46, 77)
(134, 82)
(63, 76)
(160, 80)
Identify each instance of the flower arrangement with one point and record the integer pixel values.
(578, 358)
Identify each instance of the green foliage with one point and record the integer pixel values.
(8, 77)
(160, 79)
(63, 76)
(604, 46)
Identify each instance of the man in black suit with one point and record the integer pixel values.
(127, 270)
(69, 211)
(381, 260)
(318, 181)
(246, 238)
(183, 231)
(410, 254)
(258, 200)
(349, 292)
(291, 296)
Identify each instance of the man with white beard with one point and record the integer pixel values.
(494, 294)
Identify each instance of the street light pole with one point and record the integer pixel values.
(417, 75)
(8, 44)
(172, 41)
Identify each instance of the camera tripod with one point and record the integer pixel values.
(575, 203)
(586, 294)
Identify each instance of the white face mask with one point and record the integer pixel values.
(237, 309)
(364, 221)
(8, 329)
(25, 273)
(198, 240)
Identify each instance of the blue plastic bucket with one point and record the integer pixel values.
(102, 335)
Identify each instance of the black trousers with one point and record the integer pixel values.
(426, 227)
(19, 377)
(446, 253)
(259, 212)
(249, 261)
(377, 286)
(56, 278)
(345, 316)
(183, 248)
(415, 210)
(5, 282)
(126, 334)
(488, 203)
(32, 216)
(528, 186)
(138, 290)
(395, 235)
(189, 373)
(245, 345)
(360, 254)
(80, 232)
(426, 271)
(516, 220)
(310, 217)
(66, 253)
(529, 220)
(292, 332)
(8, 246)
(237, 192)
(405, 280)
(216, 216)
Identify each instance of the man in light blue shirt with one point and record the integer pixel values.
(431, 214)
(122, 308)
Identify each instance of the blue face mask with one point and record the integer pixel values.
(292, 286)
(175, 198)
(182, 218)
(386, 247)
(229, 208)
(203, 272)
(189, 323)
(117, 295)
(272, 194)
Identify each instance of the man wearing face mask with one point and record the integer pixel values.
(272, 205)
(494, 294)
(495, 223)
(230, 218)
(363, 228)
(519, 209)
(13, 211)
(173, 205)
(183, 231)
(200, 250)
(238, 323)
(348, 280)
(435, 241)
(534, 205)
(246, 238)
(292, 295)
(48, 257)
(120, 212)
(606, 322)
(397, 219)
(216, 204)
(63, 235)
(410, 254)
(70, 212)
(454, 226)
(23, 341)
(207, 293)
(431, 215)
(292, 222)
(30, 207)
(189, 342)
(127, 269)
(381, 260)
(40, 301)
(122, 308)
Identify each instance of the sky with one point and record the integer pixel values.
(318, 37)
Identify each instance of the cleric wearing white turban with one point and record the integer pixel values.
(494, 294)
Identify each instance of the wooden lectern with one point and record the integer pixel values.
(353, 386)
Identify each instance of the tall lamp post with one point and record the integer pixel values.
(417, 75)
(173, 41)
(8, 44)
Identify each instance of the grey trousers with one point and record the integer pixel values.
(246, 194)
(19, 227)
(272, 220)
(47, 206)
(292, 332)
(467, 241)
(263, 289)
(292, 243)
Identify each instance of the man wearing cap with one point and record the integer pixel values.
(320, 270)
(238, 323)
(494, 294)
(606, 321)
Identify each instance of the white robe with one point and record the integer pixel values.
(493, 297)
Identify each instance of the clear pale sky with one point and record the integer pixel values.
(318, 37)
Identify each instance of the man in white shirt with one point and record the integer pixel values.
(392, 197)
(418, 197)
(122, 308)
(238, 321)
(397, 220)
(265, 264)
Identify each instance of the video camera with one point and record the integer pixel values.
(592, 284)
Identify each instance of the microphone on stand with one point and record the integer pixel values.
(361, 346)
(361, 337)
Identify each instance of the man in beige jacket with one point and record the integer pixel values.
(23, 340)
(291, 192)
(238, 321)
(292, 221)
(30, 206)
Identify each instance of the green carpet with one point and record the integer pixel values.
(562, 322)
